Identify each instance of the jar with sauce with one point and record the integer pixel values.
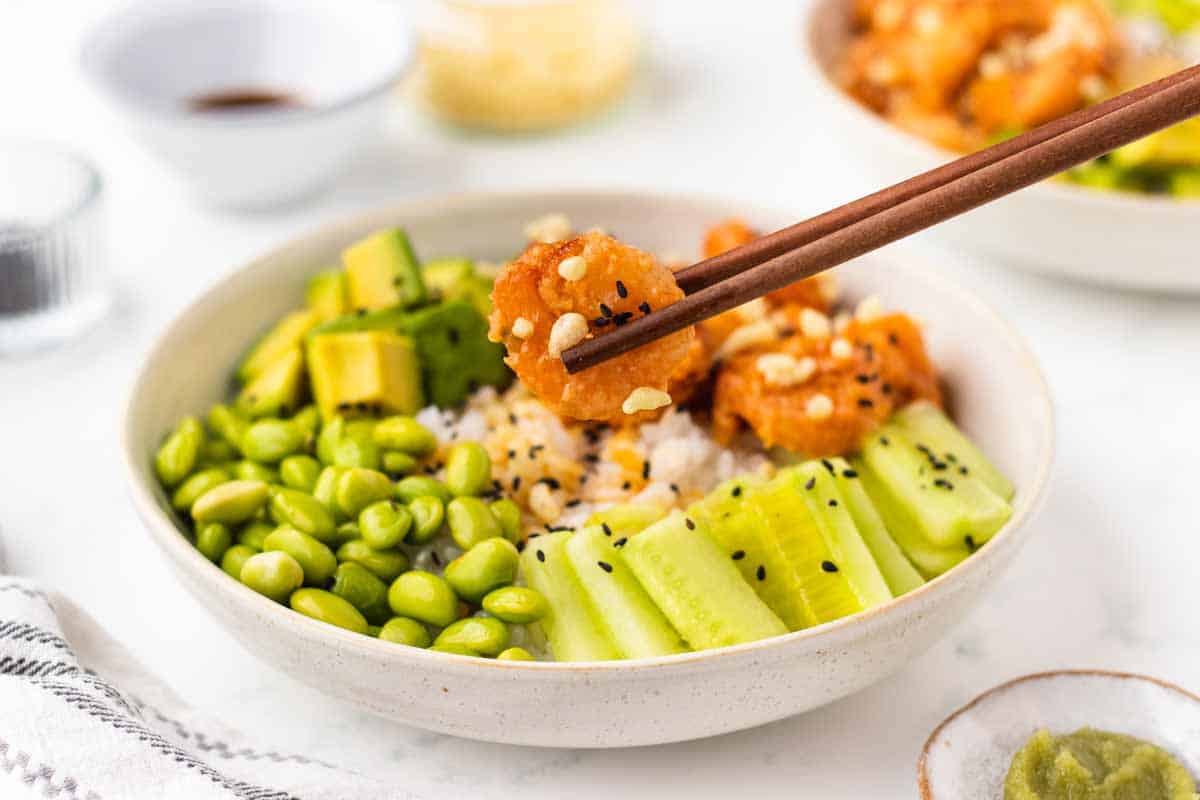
(524, 65)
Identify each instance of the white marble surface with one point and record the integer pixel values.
(1109, 581)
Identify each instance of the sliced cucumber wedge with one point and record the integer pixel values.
(571, 626)
(898, 571)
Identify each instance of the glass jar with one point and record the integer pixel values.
(524, 65)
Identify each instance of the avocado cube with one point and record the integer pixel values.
(277, 389)
(381, 271)
(456, 279)
(286, 334)
(326, 295)
(456, 356)
(364, 371)
(386, 319)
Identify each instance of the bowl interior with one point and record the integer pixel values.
(161, 55)
(996, 388)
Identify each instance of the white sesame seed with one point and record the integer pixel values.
(567, 331)
(927, 20)
(882, 71)
(814, 324)
(543, 503)
(1093, 88)
(522, 328)
(827, 285)
(889, 14)
(841, 349)
(992, 65)
(746, 336)
(548, 228)
(645, 398)
(572, 268)
(869, 309)
(819, 406)
(841, 321)
(783, 369)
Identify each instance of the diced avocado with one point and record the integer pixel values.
(456, 356)
(385, 319)
(286, 334)
(276, 389)
(456, 279)
(326, 295)
(382, 270)
(365, 370)
(1184, 183)
(1178, 145)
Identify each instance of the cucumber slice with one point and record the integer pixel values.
(696, 585)
(626, 519)
(850, 554)
(732, 518)
(571, 626)
(786, 519)
(634, 623)
(898, 571)
(925, 424)
(947, 507)
(926, 556)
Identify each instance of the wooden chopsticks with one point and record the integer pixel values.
(802, 250)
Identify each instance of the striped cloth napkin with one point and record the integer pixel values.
(79, 720)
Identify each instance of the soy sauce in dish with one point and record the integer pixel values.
(244, 99)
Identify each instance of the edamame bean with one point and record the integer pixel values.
(303, 512)
(468, 469)
(403, 630)
(247, 470)
(428, 513)
(356, 447)
(516, 604)
(363, 590)
(347, 531)
(404, 434)
(315, 558)
(234, 558)
(483, 636)
(217, 451)
(414, 486)
(328, 438)
(488, 565)
(396, 463)
(196, 485)
(269, 441)
(508, 514)
(385, 564)
(456, 649)
(177, 456)
(358, 488)
(253, 533)
(231, 502)
(275, 574)
(300, 472)
(307, 419)
(212, 540)
(328, 607)
(424, 597)
(325, 489)
(471, 521)
(228, 424)
(384, 524)
(515, 654)
(373, 630)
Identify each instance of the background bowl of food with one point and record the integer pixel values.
(909, 85)
(666, 627)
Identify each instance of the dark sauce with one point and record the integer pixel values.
(244, 99)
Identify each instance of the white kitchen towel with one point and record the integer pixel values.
(80, 720)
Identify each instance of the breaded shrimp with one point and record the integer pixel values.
(731, 233)
(538, 312)
(819, 395)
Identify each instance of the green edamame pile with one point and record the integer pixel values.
(327, 519)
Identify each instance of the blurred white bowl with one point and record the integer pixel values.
(338, 59)
(1119, 239)
(1000, 399)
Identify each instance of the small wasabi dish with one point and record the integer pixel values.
(1069, 735)
(404, 479)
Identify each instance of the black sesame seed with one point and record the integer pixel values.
(944, 484)
(607, 530)
(738, 555)
(832, 503)
(761, 573)
(600, 322)
(810, 483)
(969, 541)
(604, 565)
(963, 471)
(886, 388)
(621, 290)
(893, 340)
(691, 526)
(828, 465)
(541, 556)
(622, 318)
(644, 307)
(737, 491)
(645, 470)
(512, 454)
(621, 542)
(436, 558)
(512, 418)
(863, 378)
(521, 546)
(591, 458)
(626, 486)
(453, 335)
(885, 441)
(829, 566)
(574, 501)
(605, 310)
(516, 482)
(362, 312)
(675, 488)
(849, 473)
(866, 402)
(549, 481)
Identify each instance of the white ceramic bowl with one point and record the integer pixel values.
(1118, 239)
(338, 58)
(998, 393)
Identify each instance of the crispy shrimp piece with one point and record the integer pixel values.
(616, 283)
(731, 233)
(820, 395)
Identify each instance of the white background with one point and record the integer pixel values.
(1108, 581)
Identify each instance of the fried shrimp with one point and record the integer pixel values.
(554, 296)
(816, 292)
(819, 395)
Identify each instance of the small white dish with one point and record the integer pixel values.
(1119, 239)
(1000, 398)
(338, 59)
(968, 755)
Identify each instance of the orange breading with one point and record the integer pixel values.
(733, 232)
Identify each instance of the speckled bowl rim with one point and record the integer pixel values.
(167, 535)
(819, 78)
(922, 761)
